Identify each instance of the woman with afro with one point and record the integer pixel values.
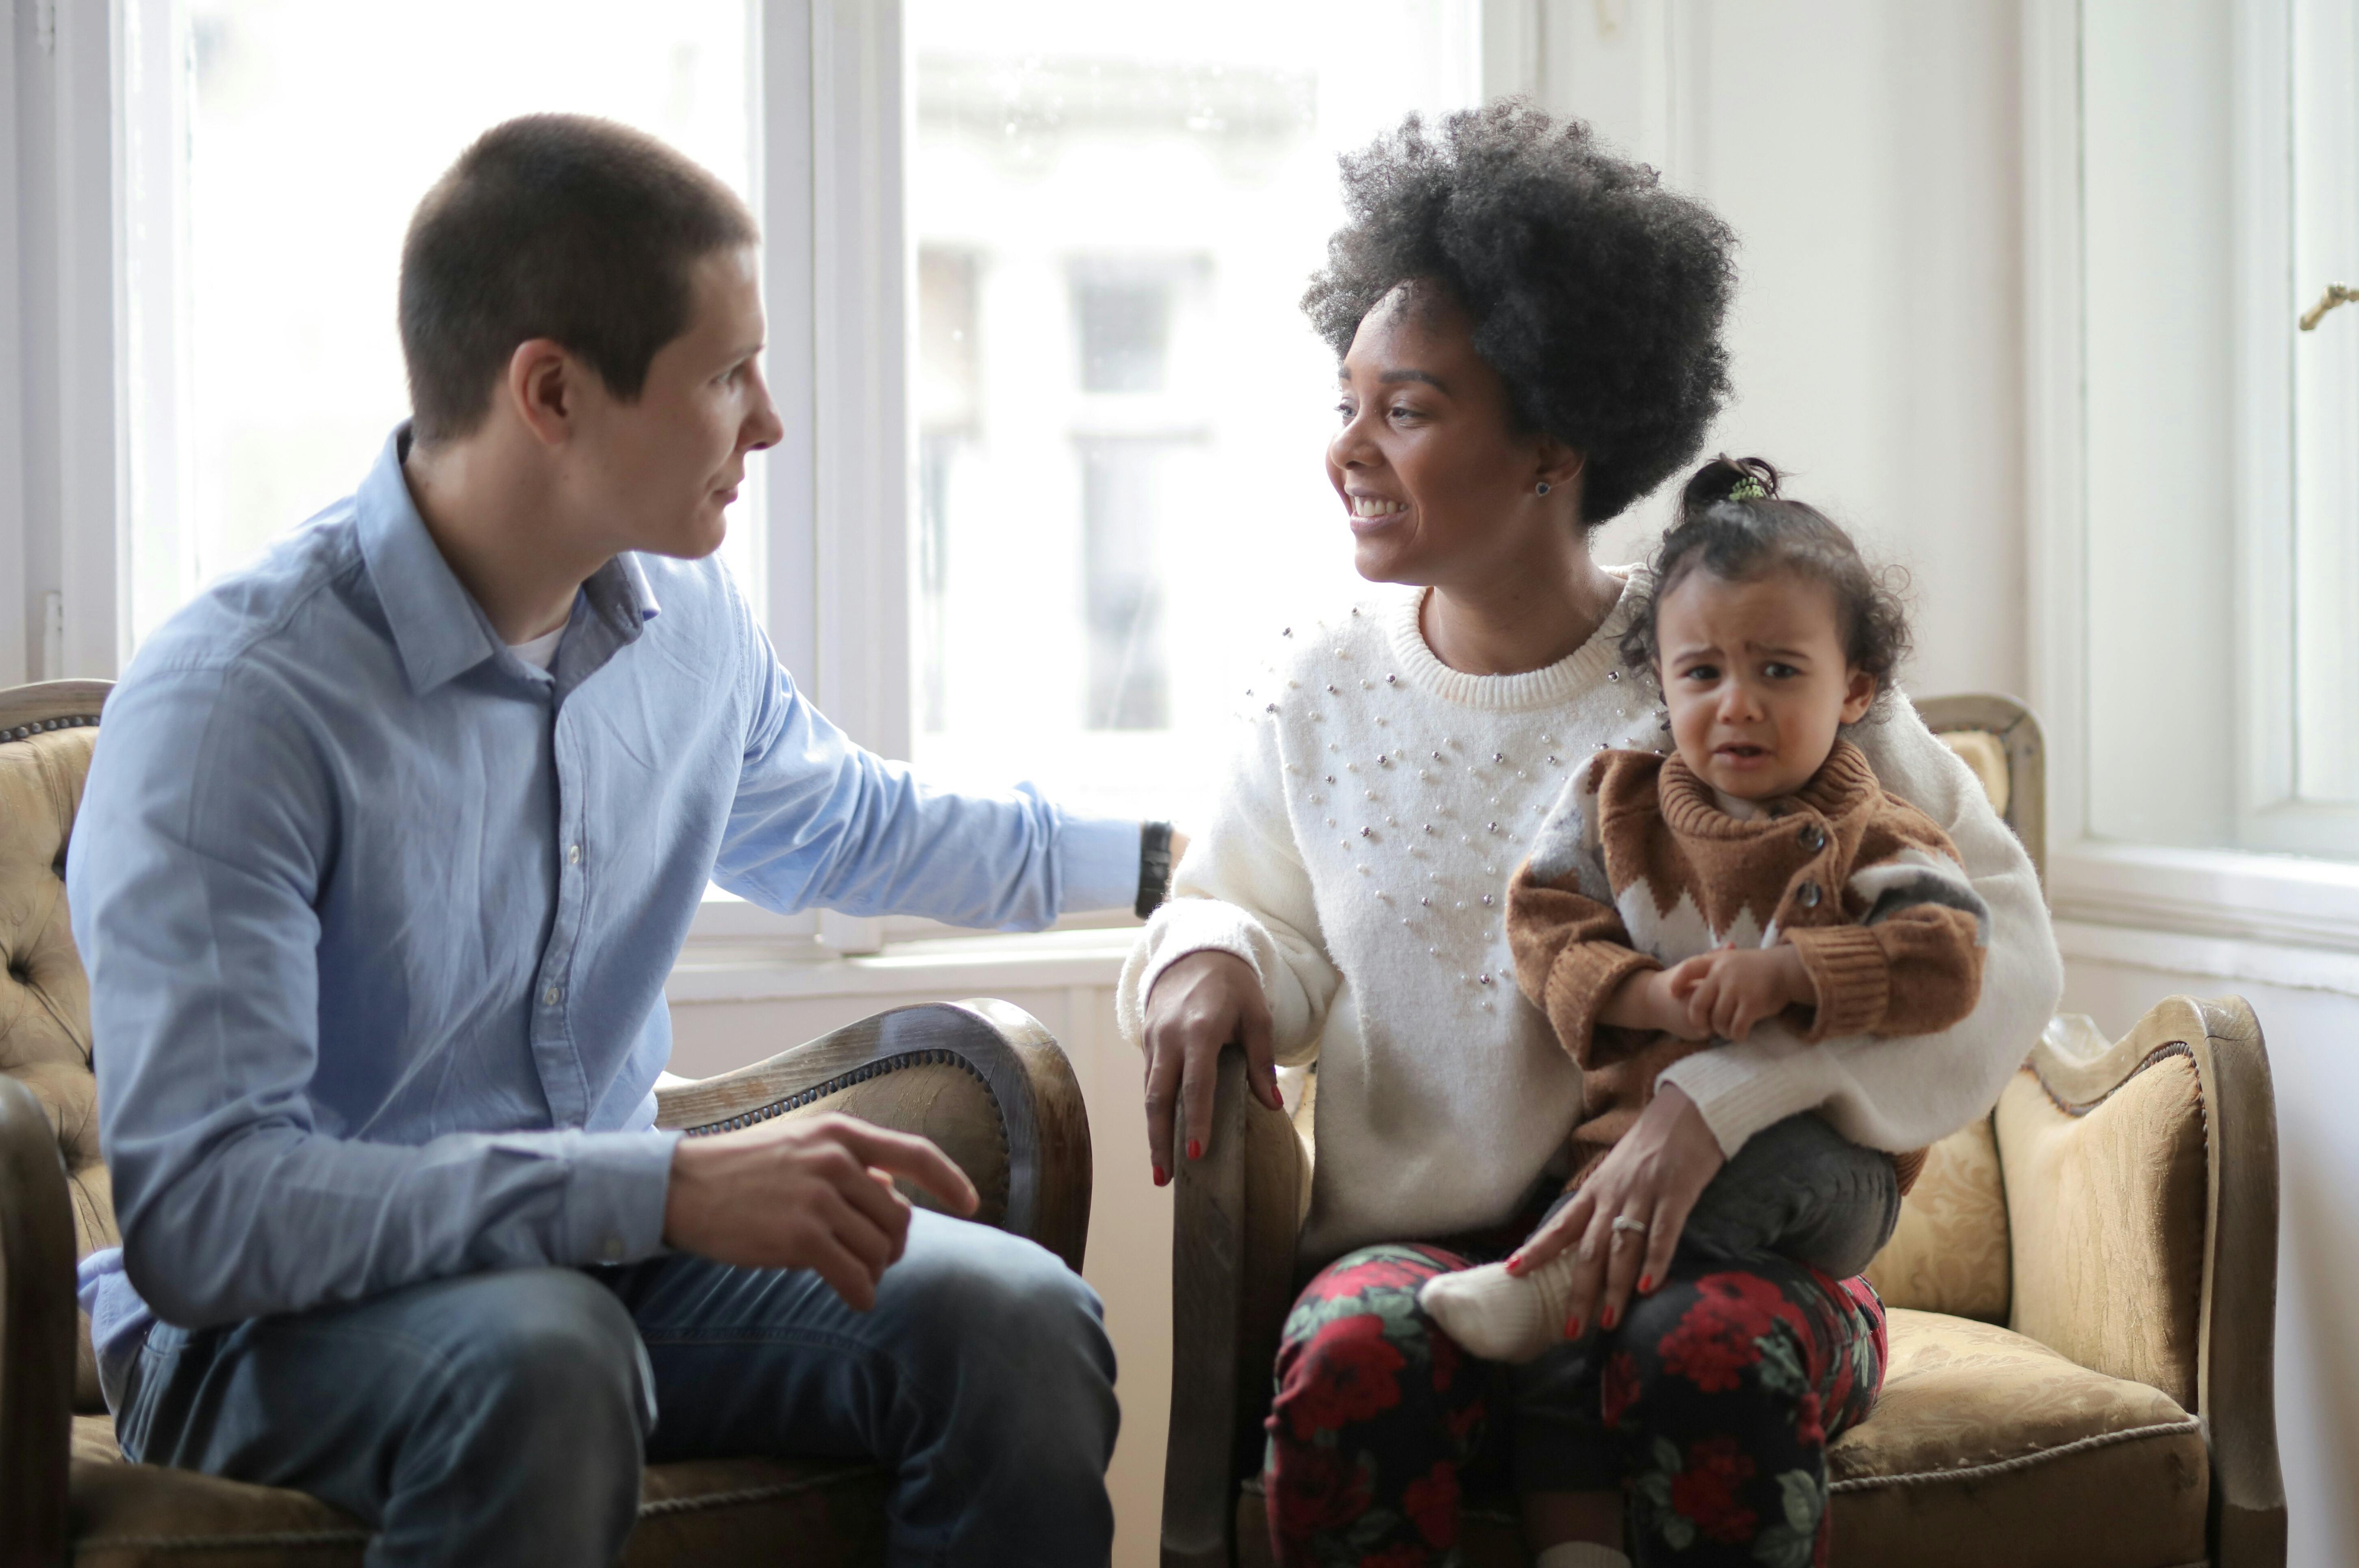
(1529, 331)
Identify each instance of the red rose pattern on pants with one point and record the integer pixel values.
(1717, 1398)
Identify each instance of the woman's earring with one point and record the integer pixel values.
(1541, 488)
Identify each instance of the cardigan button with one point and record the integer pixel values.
(1815, 838)
(1807, 895)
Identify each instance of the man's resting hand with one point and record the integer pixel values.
(814, 1193)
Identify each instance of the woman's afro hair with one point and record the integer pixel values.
(1595, 293)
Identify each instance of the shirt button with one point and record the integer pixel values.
(612, 1249)
(555, 994)
(572, 854)
(1815, 838)
(1807, 895)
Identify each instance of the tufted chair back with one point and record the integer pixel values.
(47, 733)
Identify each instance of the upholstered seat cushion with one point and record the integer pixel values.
(725, 1510)
(1981, 1436)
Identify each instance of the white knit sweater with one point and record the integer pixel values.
(1358, 860)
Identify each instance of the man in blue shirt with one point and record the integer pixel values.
(388, 846)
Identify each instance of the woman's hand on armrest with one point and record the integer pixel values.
(1202, 1003)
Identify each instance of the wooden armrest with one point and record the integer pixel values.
(37, 1325)
(1017, 1063)
(2142, 1189)
(1233, 1229)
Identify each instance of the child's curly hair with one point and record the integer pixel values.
(1734, 525)
(1596, 293)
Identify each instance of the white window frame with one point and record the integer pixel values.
(2243, 902)
(96, 232)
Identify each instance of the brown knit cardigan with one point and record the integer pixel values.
(1638, 868)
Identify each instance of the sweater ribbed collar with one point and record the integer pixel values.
(1843, 784)
(1552, 685)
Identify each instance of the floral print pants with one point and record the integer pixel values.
(1710, 1408)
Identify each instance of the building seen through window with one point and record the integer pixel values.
(1122, 421)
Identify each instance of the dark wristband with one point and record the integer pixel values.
(1154, 867)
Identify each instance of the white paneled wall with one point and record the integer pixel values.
(1129, 1260)
(2311, 1032)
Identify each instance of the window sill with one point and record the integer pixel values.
(2263, 919)
(717, 969)
(2273, 898)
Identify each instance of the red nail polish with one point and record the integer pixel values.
(1195, 1149)
(1573, 1328)
(1159, 1177)
(1646, 1283)
(1608, 1321)
(1515, 1264)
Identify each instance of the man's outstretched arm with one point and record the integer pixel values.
(819, 822)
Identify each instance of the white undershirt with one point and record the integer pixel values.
(541, 651)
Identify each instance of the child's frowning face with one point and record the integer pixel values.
(1756, 682)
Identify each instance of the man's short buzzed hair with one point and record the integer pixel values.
(556, 226)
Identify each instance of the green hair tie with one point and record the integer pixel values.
(1748, 488)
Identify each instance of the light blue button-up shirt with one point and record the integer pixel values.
(377, 915)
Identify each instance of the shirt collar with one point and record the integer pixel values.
(438, 630)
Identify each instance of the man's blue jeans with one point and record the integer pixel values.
(503, 1418)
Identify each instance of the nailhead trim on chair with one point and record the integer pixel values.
(2019, 1461)
(930, 1058)
(223, 1543)
(26, 732)
(664, 1507)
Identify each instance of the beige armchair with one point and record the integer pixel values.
(982, 1079)
(2083, 1285)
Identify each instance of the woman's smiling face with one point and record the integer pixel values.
(1438, 484)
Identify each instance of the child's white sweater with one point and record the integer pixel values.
(1359, 860)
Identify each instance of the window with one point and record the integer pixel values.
(284, 153)
(1122, 417)
(2323, 131)
(2218, 655)
(1114, 412)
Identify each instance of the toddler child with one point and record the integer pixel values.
(1757, 876)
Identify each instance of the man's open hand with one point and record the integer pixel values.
(814, 1193)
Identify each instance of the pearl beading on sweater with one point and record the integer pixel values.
(1404, 794)
(1378, 955)
(1446, 756)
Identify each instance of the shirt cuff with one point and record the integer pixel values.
(1580, 983)
(1740, 1089)
(614, 1196)
(1847, 967)
(1180, 927)
(1100, 858)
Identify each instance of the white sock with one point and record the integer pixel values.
(1580, 1554)
(1501, 1316)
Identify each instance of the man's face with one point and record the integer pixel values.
(659, 473)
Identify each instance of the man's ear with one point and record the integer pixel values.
(539, 388)
(1859, 696)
